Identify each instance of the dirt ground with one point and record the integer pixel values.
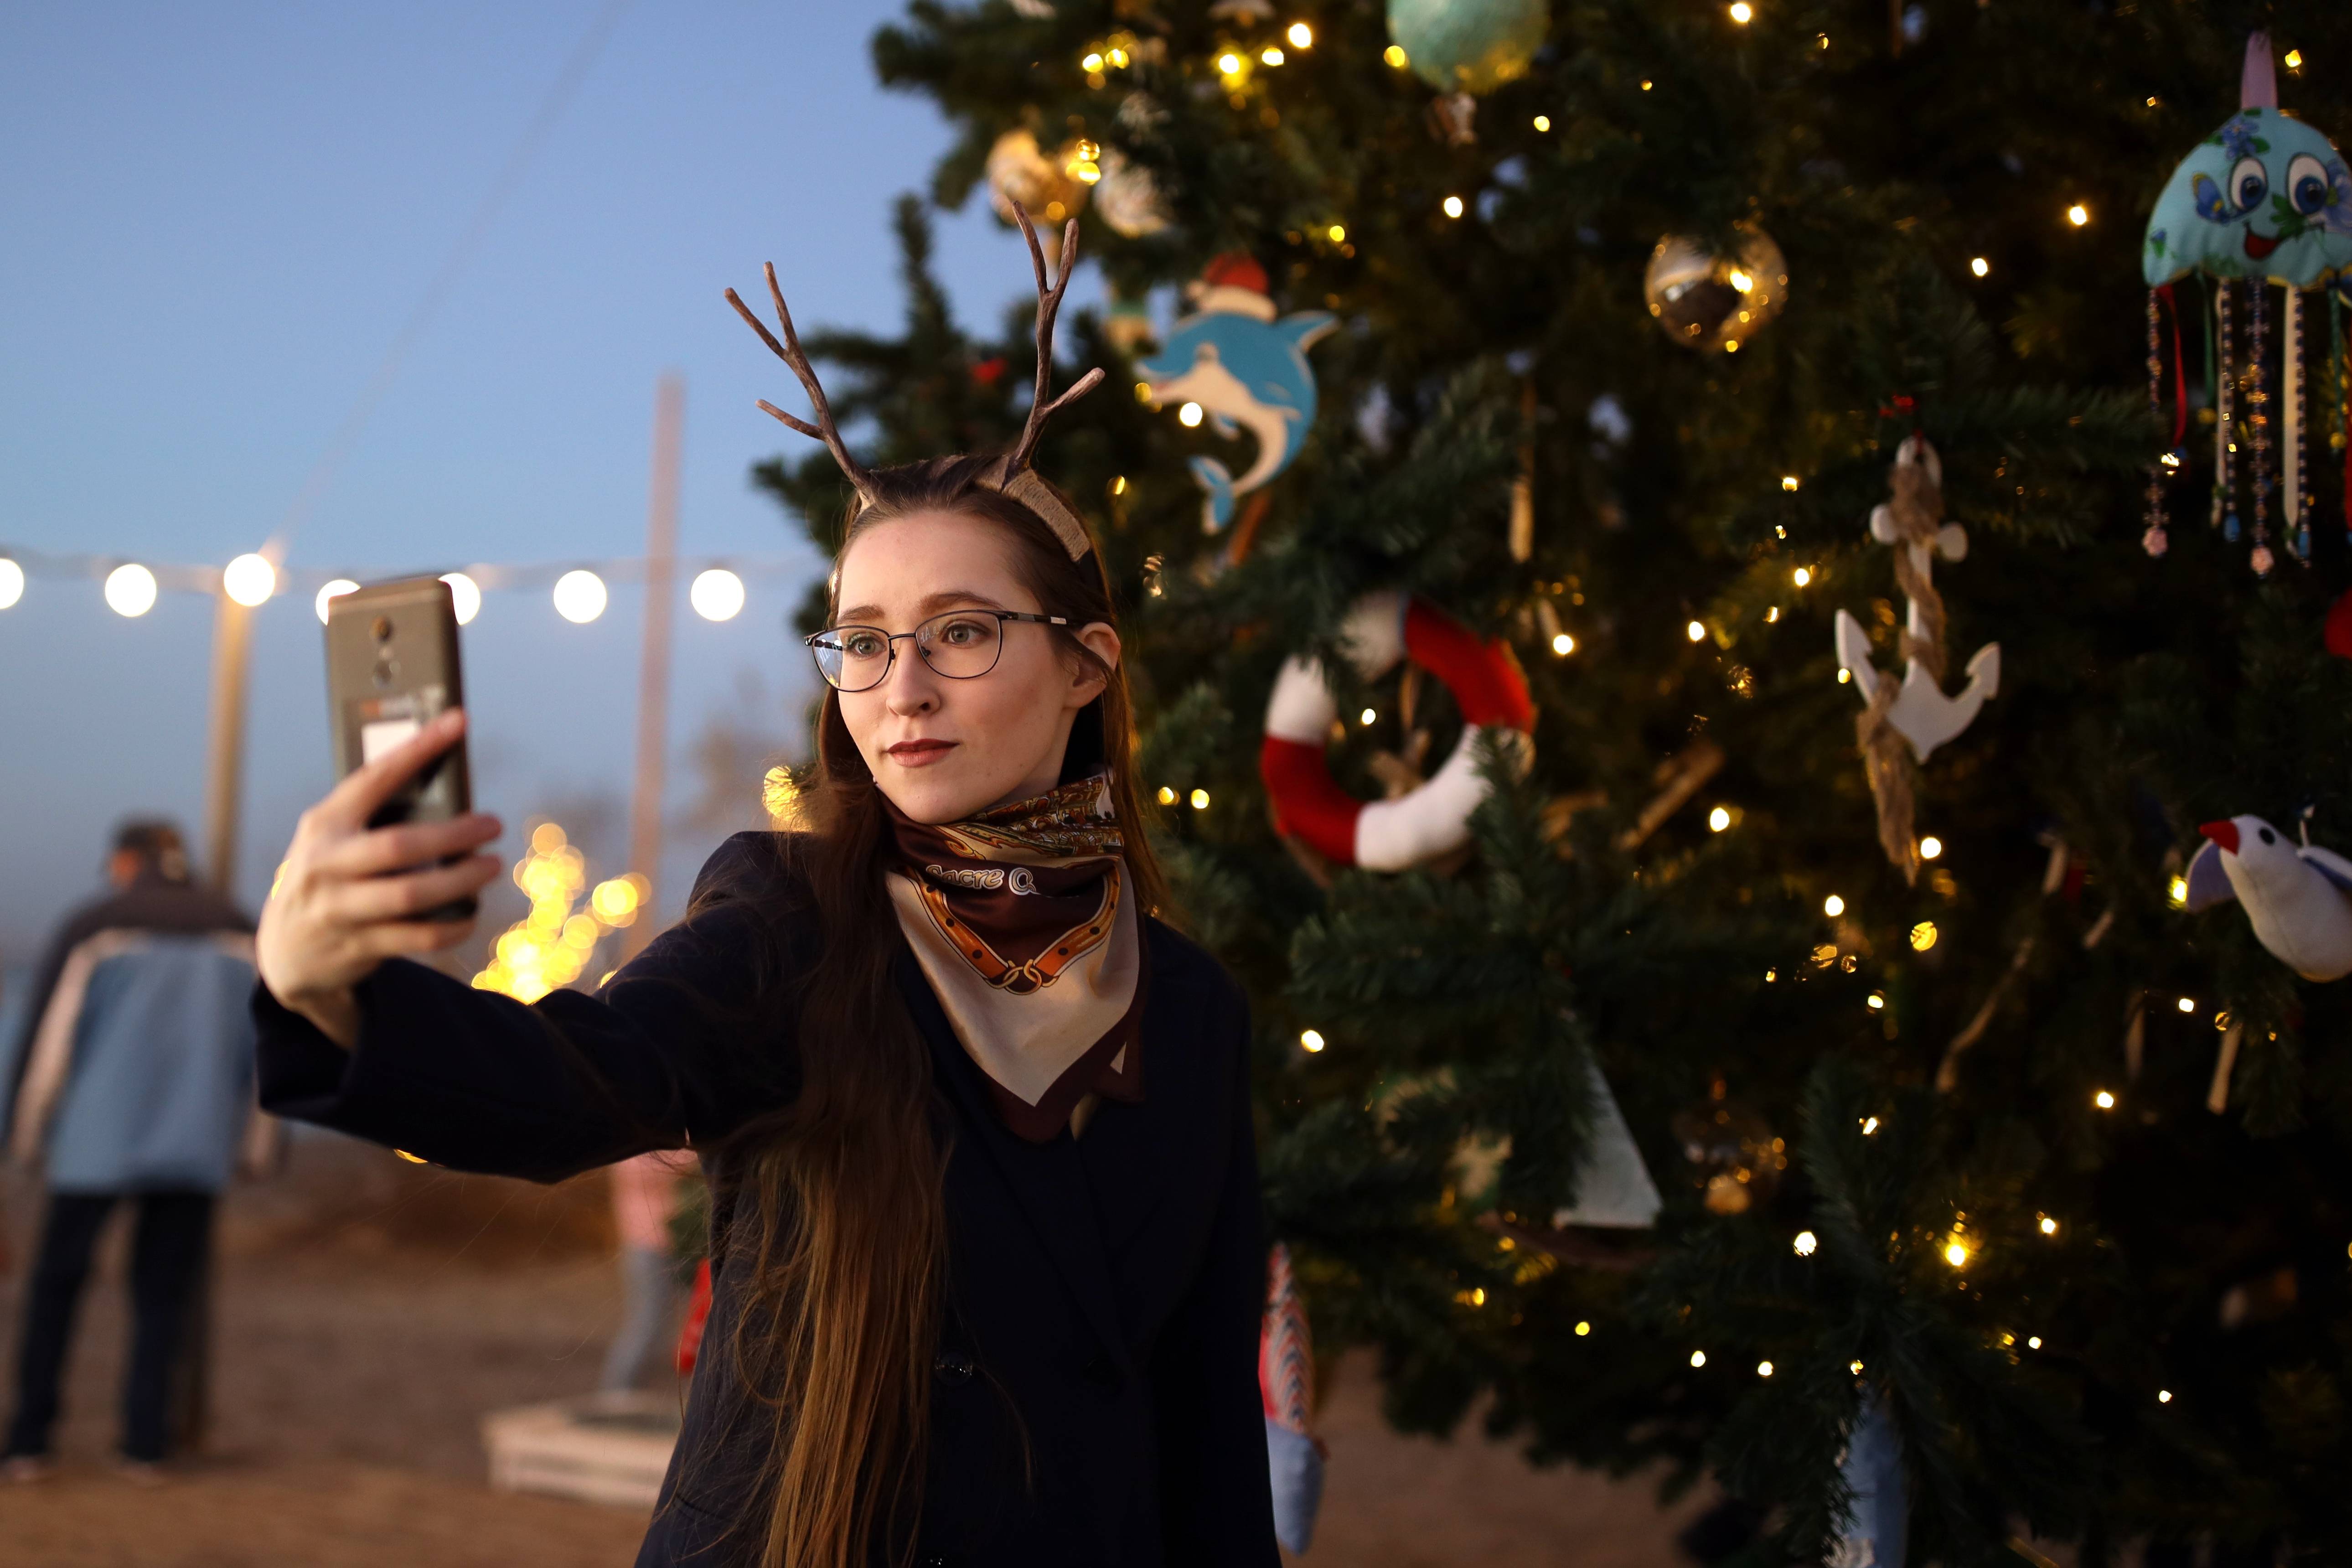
(368, 1312)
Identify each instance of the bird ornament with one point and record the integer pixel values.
(2298, 896)
(1247, 369)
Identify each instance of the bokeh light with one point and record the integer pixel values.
(130, 590)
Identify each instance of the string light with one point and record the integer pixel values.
(1979, 265)
(2104, 1101)
(334, 590)
(1271, 55)
(249, 580)
(716, 594)
(551, 947)
(1806, 1243)
(1189, 415)
(1339, 233)
(1229, 64)
(580, 596)
(2049, 1225)
(465, 596)
(2078, 214)
(2176, 892)
(1563, 645)
(1719, 819)
(2187, 1003)
(1772, 615)
(1834, 906)
(1698, 1358)
(1582, 1329)
(2295, 59)
(1543, 122)
(12, 582)
(1877, 1001)
(1301, 36)
(130, 590)
(1763, 1369)
(1956, 1252)
(2164, 1396)
(1695, 632)
(1311, 1041)
(2034, 1342)
(1167, 795)
(1854, 1367)
(1742, 11)
(1801, 575)
(1869, 1125)
(1453, 205)
(1845, 676)
(1200, 800)
(1789, 483)
(1923, 936)
(1395, 56)
(1369, 715)
(1930, 848)
(1091, 63)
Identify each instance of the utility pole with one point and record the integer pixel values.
(652, 669)
(225, 746)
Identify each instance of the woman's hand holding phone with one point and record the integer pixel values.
(349, 897)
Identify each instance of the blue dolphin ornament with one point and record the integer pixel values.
(1247, 370)
(2266, 196)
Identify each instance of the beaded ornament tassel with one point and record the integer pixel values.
(2153, 539)
(2258, 419)
(2225, 409)
(2292, 524)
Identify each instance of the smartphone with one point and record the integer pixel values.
(391, 669)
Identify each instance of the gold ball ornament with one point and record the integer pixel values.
(1707, 302)
(1469, 46)
(1020, 171)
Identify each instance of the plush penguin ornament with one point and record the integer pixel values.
(2298, 897)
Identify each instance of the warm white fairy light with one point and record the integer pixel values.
(1834, 906)
(1563, 645)
(2049, 1226)
(1877, 1001)
(1583, 1329)
(1801, 575)
(716, 594)
(552, 946)
(1189, 415)
(1923, 936)
(1339, 233)
(1696, 631)
(465, 596)
(1979, 265)
(1200, 800)
(334, 590)
(1763, 1369)
(1167, 795)
(1719, 819)
(1869, 1125)
(1956, 1252)
(12, 582)
(1311, 1041)
(1788, 482)
(2104, 1101)
(1453, 205)
(1742, 11)
(1930, 848)
(1271, 54)
(1395, 56)
(1698, 1358)
(1806, 1243)
(2164, 1396)
(1543, 122)
(1301, 36)
(2187, 1004)
(249, 580)
(1369, 715)
(2078, 214)
(580, 596)
(130, 590)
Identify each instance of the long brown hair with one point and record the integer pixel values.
(842, 1315)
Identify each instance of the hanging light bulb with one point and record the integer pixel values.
(249, 580)
(333, 590)
(12, 582)
(130, 590)
(465, 596)
(580, 596)
(716, 594)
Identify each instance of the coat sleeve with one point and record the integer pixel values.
(685, 1044)
(1216, 1500)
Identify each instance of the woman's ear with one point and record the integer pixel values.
(1098, 638)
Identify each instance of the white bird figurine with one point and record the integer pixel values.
(2296, 897)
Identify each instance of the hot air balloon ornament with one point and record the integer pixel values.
(2265, 200)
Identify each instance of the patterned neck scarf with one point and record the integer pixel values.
(1024, 923)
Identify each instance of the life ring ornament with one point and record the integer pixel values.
(1433, 818)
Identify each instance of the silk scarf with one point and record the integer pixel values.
(1023, 920)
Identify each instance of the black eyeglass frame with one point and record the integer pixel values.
(892, 639)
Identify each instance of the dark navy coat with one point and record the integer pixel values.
(1095, 1399)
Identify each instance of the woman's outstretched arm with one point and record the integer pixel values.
(691, 1040)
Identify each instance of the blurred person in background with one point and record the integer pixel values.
(645, 1200)
(133, 1081)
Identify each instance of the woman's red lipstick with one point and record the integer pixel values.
(918, 754)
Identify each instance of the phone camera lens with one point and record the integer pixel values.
(382, 628)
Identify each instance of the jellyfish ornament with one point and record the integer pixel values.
(2264, 201)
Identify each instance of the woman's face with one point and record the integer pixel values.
(943, 749)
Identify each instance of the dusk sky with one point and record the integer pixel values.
(216, 220)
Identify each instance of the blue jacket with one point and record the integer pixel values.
(135, 1071)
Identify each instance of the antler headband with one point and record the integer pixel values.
(1012, 477)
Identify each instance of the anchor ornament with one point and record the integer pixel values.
(1916, 709)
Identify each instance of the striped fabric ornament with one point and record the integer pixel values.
(1286, 1383)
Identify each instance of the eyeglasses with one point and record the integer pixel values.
(962, 644)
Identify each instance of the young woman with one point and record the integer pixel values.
(985, 1235)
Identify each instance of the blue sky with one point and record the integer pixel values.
(216, 218)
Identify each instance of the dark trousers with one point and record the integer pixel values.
(167, 1267)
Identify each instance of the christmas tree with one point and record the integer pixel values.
(1573, 352)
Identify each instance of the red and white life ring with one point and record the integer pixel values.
(1433, 819)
